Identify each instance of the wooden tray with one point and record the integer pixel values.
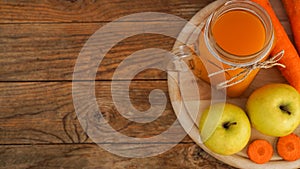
(189, 121)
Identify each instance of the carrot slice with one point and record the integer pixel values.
(288, 147)
(260, 151)
(291, 58)
(292, 8)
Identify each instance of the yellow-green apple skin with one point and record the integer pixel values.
(274, 109)
(230, 139)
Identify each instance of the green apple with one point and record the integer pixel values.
(274, 109)
(232, 132)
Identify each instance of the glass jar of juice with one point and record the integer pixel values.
(237, 35)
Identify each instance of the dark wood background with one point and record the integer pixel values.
(39, 43)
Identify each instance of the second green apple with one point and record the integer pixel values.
(274, 109)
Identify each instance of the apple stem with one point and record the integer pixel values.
(284, 109)
(226, 125)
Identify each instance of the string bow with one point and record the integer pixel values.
(273, 61)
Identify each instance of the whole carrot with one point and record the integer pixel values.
(292, 8)
(291, 58)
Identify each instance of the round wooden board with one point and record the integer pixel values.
(190, 121)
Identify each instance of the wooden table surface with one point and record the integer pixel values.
(40, 41)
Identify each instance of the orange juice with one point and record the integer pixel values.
(239, 33)
(236, 35)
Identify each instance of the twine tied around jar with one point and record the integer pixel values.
(184, 51)
(271, 62)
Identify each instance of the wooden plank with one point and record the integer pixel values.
(32, 11)
(48, 52)
(91, 156)
(38, 113)
(43, 112)
(34, 52)
(15, 11)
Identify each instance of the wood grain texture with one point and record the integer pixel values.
(43, 113)
(91, 10)
(90, 156)
(36, 52)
